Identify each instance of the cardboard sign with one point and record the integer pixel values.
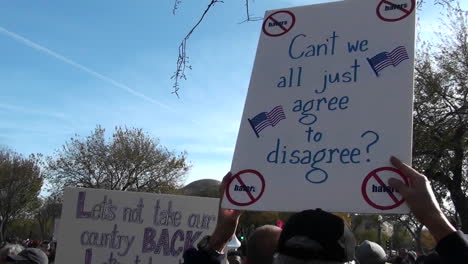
(110, 227)
(330, 100)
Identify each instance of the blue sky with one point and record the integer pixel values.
(66, 66)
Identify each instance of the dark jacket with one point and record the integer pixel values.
(194, 256)
(453, 248)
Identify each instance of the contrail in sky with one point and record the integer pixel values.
(59, 57)
(17, 108)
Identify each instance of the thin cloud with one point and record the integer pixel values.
(34, 111)
(15, 130)
(25, 110)
(81, 67)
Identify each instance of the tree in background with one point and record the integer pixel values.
(413, 227)
(370, 227)
(130, 161)
(441, 112)
(20, 183)
(45, 216)
(24, 228)
(401, 238)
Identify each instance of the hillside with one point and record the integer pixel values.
(205, 187)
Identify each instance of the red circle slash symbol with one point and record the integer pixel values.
(278, 23)
(382, 188)
(243, 194)
(390, 11)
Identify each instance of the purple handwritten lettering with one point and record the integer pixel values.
(164, 243)
(80, 213)
(179, 233)
(191, 238)
(148, 240)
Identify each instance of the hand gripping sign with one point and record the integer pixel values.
(377, 193)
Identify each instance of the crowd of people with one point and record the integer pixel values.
(316, 236)
(27, 252)
(308, 237)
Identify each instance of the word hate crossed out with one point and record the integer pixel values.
(241, 188)
(276, 23)
(379, 188)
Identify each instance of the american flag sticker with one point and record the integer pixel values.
(266, 119)
(385, 59)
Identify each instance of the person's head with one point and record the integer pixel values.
(262, 244)
(369, 252)
(9, 250)
(315, 236)
(29, 256)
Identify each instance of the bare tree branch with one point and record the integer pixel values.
(182, 60)
(176, 6)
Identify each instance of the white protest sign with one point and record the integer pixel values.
(111, 227)
(330, 100)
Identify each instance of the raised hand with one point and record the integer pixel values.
(421, 200)
(227, 221)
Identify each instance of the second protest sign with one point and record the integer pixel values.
(101, 226)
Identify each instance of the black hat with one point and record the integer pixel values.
(370, 253)
(318, 235)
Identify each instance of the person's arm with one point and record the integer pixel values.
(226, 225)
(451, 245)
(227, 221)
